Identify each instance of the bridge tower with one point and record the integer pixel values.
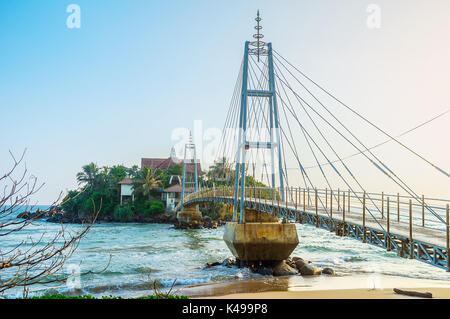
(257, 48)
(258, 236)
(189, 215)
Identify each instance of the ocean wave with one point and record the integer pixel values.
(354, 259)
(145, 270)
(184, 282)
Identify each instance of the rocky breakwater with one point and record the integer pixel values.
(289, 267)
(40, 214)
(206, 222)
(56, 215)
(165, 218)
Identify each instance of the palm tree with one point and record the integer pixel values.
(220, 170)
(89, 174)
(150, 181)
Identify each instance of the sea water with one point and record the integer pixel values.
(138, 255)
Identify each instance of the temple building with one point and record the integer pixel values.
(170, 195)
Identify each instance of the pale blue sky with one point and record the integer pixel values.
(112, 91)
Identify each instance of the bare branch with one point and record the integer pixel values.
(37, 260)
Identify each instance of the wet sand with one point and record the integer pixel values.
(364, 286)
(438, 293)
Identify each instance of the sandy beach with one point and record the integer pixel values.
(320, 287)
(438, 293)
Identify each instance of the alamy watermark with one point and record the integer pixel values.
(374, 279)
(74, 279)
(74, 19)
(212, 143)
(374, 18)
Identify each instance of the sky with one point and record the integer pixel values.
(115, 89)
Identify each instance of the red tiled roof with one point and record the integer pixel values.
(173, 189)
(154, 163)
(165, 163)
(126, 181)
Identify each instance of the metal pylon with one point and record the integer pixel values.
(257, 48)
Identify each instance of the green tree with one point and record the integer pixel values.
(123, 213)
(133, 172)
(116, 174)
(89, 175)
(175, 170)
(149, 181)
(221, 172)
(155, 207)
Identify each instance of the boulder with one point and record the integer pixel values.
(328, 271)
(283, 269)
(299, 263)
(39, 214)
(207, 219)
(290, 262)
(265, 271)
(309, 270)
(212, 264)
(229, 262)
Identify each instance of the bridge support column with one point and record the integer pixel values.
(190, 216)
(260, 238)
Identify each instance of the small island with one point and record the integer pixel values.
(146, 194)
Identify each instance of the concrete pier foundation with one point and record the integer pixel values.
(260, 241)
(189, 215)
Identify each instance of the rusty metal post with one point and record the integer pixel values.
(448, 238)
(339, 200)
(411, 248)
(304, 200)
(343, 206)
(348, 202)
(423, 211)
(309, 198)
(388, 242)
(331, 204)
(364, 216)
(273, 194)
(387, 212)
(299, 196)
(259, 191)
(343, 214)
(287, 197)
(331, 209)
(317, 211)
(278, 201)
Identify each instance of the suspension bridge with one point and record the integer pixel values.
(279, 115)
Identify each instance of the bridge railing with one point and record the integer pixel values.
(263, 193)
(423, 211)
(421, 224)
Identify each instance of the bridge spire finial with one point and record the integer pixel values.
(258, 44)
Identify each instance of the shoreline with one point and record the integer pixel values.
(358, 286)
(59, 217)
(167, 218)
(438, 293)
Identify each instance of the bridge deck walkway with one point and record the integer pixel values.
(428, 235)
